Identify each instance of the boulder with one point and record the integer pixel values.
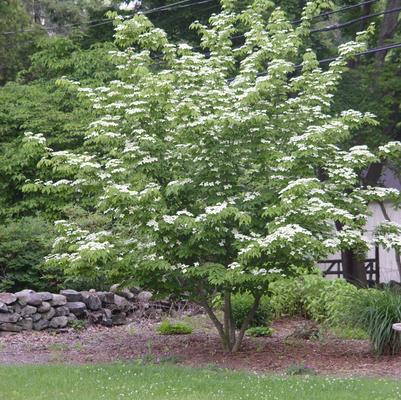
(27, 311)
(28, 297)
(127, 294)
(10, 328)
(3, 307)
(8, 298)
(26, 324)
(93, 302)
(95, 317)
(36, 317)
(71, 317)
(115, 288)
(144, 296)
(119, 318)
(106, 297)
(122, 303)
(77, 308)
(107, 317)
(49, 314)
(9, 317)
(58, 322)
(62, 311)
(58, 300)
(45, 307)
(71, 295)
(41, 324)
(45, 296)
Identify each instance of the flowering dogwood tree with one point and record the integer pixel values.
(220, 172)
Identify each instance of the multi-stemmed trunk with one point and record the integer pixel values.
(231, 338)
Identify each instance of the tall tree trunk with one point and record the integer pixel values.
(353, 267)
(387, 29)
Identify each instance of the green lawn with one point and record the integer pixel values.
(136, 382)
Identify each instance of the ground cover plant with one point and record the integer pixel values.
(217, 173)
(121, 381)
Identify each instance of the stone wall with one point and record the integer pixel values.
(30, 310)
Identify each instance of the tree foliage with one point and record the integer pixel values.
(217, 173)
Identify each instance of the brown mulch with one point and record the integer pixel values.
(329, 356)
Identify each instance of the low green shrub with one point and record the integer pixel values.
(375, 311)
(258, 331)
(300, 369)
(241, 304)
(312, 296)
(170, 328)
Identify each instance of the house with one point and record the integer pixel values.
(389, 267)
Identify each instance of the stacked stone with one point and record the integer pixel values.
(30, 310)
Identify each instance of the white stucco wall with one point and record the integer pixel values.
(388, 266)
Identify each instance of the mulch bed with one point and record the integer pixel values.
(329, 356)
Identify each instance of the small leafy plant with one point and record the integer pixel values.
(77, 324)
(259, 331)
(300, 369)
(170, 328)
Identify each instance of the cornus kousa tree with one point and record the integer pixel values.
(218, 170)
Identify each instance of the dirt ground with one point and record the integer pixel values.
(139, 340)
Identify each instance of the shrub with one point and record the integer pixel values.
(300, 369)
(241, 304)
(375, 311)
(169, 328)
(257, 331)
(312, 296)
(23, 245)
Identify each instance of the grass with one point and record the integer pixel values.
(168, 382)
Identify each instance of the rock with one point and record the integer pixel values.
(26, 324)
(41, 324)
(58, 322)
(45, 307)
(28, 297)
(308, 330)
(71, 295)
(71, 317)
(3, 307)
(62, 311)
(58, 300)
(8, 298)
(93, 302)
(127, 294)
(45, 296)
(10, 328)
(122, 303)
(77, 308)
(27, 311)
(49, 314)
(107, 317)
(95, 317)
(114, 288)
(106, 297)
(119, 318)
(36, 317)
(144, 296)
(9, 317)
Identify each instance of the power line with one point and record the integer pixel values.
(330, 59)
(342, 9)
(353, 21)
(169, 7)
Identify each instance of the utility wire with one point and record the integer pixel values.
(169, 7)
(330, 59)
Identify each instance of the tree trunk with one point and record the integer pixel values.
(387, 29)
(353, 268)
